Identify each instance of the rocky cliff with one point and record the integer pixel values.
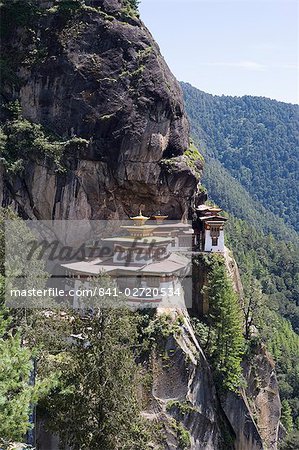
(93, 79)
(95, 73)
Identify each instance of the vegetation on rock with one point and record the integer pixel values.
(269, 270)
(183, 436)
(22, 140)
(273, 263)
(133, 4)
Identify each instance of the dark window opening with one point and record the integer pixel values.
(214, 241)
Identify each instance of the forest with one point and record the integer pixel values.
(250, 147)
(256, 140)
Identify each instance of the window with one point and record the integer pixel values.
(153, 281)
(214, 241)
(215, 233)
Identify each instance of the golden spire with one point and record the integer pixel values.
(141, 219)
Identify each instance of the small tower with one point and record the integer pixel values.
(139, 227)
(210, 229)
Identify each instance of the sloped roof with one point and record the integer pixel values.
(171, 264)
(214, 218)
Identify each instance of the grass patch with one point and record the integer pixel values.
(193, 158)
(183, 435)
(183, 408)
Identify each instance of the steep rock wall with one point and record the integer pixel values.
(255, 413)
(183, 393)
(98, 74)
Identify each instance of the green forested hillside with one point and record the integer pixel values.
(257, 140)
(262, 241)
(251, 151)
(270, 277)
(233, 197)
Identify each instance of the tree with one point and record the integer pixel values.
(95, 405)
(18, 392)
(290, 442)
(252, 303)
(225, 318)
(16, 395)
(286, 415)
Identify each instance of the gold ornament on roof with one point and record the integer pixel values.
(159, 218)
(140, 219)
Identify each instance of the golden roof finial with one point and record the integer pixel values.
(141, 219)
(159, 218)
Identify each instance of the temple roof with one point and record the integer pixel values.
(172, 224)
(145, 240)
(140, 219)
(159, 217)
(215, 210)
(170, 265)
(214, 218)
(203, 208)
(206, 208)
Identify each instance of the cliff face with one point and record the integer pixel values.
(97, 73)
(254, 413)
(184, 397)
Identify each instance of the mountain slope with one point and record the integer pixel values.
(266, 247)
(233, 197)
(256, 140)
(93, 126)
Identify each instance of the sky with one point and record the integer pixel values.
(231, 47)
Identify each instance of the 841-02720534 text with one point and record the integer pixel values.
(140, 292)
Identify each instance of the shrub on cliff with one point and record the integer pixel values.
(18, 393)
(22, 140)
(133, 3)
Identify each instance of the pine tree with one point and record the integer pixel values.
(225, 318)
(17, 394)
(95, 405)
(286, 415)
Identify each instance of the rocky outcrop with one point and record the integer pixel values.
(263, 392)
(97, 74)
(184, 397)
(255, 413)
